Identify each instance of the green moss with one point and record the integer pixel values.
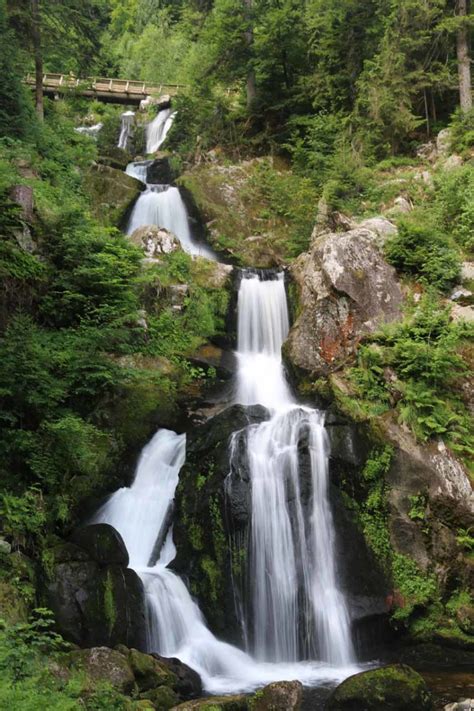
(213, 574)
(415, 586)
(109, 603)
(219, 537)
(195, 533)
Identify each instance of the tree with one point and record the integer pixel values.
(464, 61)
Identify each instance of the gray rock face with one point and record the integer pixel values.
(95, 598)
(347, 290)
(443, 142)
(155, 241)
(112, 193)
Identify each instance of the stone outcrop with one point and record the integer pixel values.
(95, 598)
(161, 682)
(112, 193)
(207, 514)
(155, 241)
(347, 291)
(391, 688)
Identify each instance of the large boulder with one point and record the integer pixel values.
(95, 598)
(279, 696)
(101, 664)
(155, 241)
(209, 513)
(112, 193)
(391, 688)
(346, 290)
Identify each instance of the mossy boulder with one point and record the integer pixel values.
(150, 672)
(95, 598)
(392, 688)
(209, 512)
(102, 542)
(112, 193)
(162, 698)
(102, 664)
(238, 702)
(279, 696)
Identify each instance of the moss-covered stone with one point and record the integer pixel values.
(162, 698)
(149, 672)
(392, 688)
(102, 664)
(112, 193)
(208, 513)
(239, 702)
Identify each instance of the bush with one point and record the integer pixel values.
(424, 252)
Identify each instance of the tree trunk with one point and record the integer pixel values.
(464, 62)
(251, 81)
(36, 36)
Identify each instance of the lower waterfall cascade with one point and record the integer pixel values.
(295, 620)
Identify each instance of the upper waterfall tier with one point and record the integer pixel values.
(157, 130)
(263, 326)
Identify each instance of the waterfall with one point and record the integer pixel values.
(157, 130)
(138, 170)
(126, 131)
(175, 625)
(295, 609)
(162, 205)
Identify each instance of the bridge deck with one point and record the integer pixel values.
(121, 91)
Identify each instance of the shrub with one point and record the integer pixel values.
(424, 252)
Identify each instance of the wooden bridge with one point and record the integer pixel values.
(113, 91)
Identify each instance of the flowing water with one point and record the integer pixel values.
(288, 554)
(126, 130)
(92, 131)
(138, 170)
(162, 205)
(157, 130)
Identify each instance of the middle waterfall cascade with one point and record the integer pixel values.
(296, 606)
(141, 513)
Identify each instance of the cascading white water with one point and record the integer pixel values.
(138, 170)
(296, 609)
(126, 130)
(162, 205)
(157, 130)
(176, 626)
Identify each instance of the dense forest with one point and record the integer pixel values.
(298, 122)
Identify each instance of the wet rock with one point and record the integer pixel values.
(279, 696)
(161, 698)
(159, 170)
(103, 543)
(238, 702)
(347, 291)
(155, 241)
(104, 665)
(96, 600)
(391, 688)
(187, 681)
(223, 361)
(149, 671)
(210, 508)
(429, 656)
(112, 193)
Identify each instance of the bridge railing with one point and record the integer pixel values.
(104, 84)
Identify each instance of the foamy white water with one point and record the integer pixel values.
(288, 553)
(162, 205)
(296, 608)
(138, 170)
(157, 130)
(126, 130)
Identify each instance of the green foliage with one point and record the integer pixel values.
(415, 586)
(462, 131)
(422, 352)
(454, 203)
(425, 252)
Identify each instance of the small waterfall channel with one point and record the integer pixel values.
(294, 616)
(162, 205)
